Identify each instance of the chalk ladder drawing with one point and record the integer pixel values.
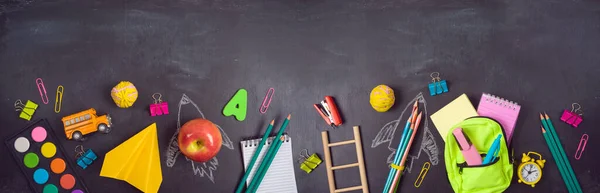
(201, 169)
(428, 145)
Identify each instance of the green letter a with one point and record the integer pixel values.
(237, 105)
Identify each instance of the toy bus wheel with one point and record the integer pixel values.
(77, 136)
(103, 128)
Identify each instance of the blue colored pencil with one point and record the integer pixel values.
(254, 158)
(391, 174)
(257, 179)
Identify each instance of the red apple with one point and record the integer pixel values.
(199, 140)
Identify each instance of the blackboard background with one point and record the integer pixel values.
(541, 54)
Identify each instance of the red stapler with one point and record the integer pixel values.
(329, 111)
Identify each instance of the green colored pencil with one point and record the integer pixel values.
(561, 168)
(254, 157)
(561, 152)
(257, 179)
(260, 177)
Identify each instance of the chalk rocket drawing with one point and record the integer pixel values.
(201, 169)
(388, 134)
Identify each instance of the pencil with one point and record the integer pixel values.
(414, 113)
(264, 166)
(259, 178)
(398, 151)
(254, 157)
(562, 154)
(396, 180)
(561, 168)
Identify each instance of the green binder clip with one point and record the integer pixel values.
(26, 109)
(309, 163)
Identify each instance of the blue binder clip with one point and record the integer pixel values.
(84, 159)
(437, 85)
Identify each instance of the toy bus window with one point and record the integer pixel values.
(77, 120)
(72, 121)
(88, 117)
(81, 118)
(67, 123)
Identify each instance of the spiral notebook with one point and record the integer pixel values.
(502, 110)
(280, 176)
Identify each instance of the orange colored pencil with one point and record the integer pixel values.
(396, 179)
(414, 113)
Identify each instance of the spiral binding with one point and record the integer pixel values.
(500, 101)
(255, 142)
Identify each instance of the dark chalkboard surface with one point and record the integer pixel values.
(542, 55)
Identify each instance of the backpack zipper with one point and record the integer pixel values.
(465, 165)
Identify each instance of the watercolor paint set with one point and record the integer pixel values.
(43, 161)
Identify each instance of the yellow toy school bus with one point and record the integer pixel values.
(79, 124)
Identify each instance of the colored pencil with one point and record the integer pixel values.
(401, 147)
(396, 180)
(266, 162)
(396, 157)
(259, 178)
(562, 154)
(561, 168)
(254, 157)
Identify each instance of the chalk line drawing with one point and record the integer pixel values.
(202, 169)
(428, 144)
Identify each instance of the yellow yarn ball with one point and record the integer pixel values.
(382, 98)
(124, 94)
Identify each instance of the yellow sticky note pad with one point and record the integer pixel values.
(453, 113)
(136, 161)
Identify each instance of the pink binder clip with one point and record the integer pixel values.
(159, 107)
(572, 117)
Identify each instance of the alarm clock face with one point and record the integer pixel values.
(531, 173)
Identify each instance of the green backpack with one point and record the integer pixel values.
(488, 178)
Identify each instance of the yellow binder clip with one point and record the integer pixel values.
(26, 109)
(309, 163)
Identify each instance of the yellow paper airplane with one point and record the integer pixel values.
(136, 161)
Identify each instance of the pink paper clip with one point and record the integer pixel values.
(572, 117)
(265, 104)
(581, 147)
(159, 107)
(42, 89)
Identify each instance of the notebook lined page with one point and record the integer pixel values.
(504, 111)
(280, 176)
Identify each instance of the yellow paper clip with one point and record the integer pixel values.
(422, 174)
(59, 95)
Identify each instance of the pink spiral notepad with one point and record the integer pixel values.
(503, 111)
